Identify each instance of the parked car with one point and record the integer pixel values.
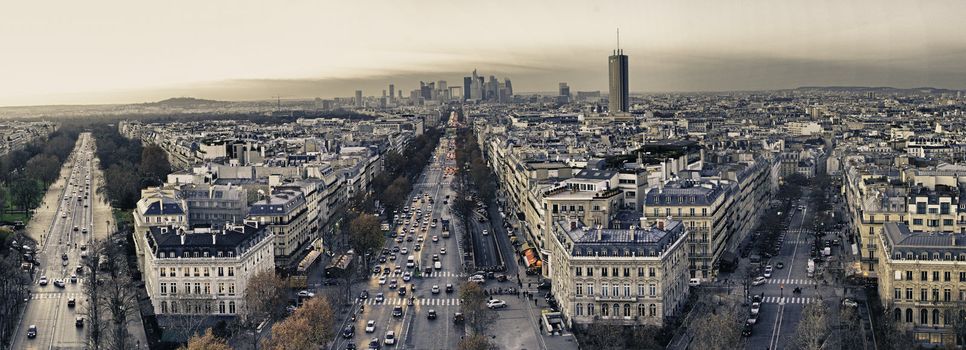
(848, 302)
(755, 308)
(758, 281)
(496, 304)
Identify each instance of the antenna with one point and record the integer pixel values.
(618, 40)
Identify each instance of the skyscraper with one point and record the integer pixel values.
(467, 87)
(619, 97)
(564, 93)
(392, 92)
(476, 87)
(358, 98)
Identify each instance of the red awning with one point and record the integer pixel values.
(530, 256)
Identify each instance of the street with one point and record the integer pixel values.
(59, 255)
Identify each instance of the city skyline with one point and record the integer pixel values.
(74, 54)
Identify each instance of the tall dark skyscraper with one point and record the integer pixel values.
(619, 96)
(392, 92)
(467, 86)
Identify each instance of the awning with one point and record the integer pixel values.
(530, 258)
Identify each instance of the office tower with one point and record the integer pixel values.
(392, 92)
(480, 85)
(358, 98)
(442, 91)
(564, 93)
(476, 87)
(493, 89)
(467, 88)
(619, 97)
(383, 94)
(509, 87)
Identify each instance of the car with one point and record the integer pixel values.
(305, 294)
(32, 331)
(485, 232)
(370, 326)
(397, 311)
(758, 281)
(746, 331)
(449, 288)
(496, 304)
(397, 270)
(458, 317)
(435, 289)
(435, 239)
(442, 251)
(349, 331)
(374, 344)
(768, 268)
(404, 251)
(755, 308)
(84, 230)
(71, 302)
(694, 282)
(377, 269)
(780, 265)
(364, 295)
(386, 270)
(438, 265)
(59, 283)
(417, 247)
(766, 274)
(407, 276)
(390, 338)
(395, 249)
(393, 284)
(401, 291)
(399, 239)
(392, 257)
(350, 346)
(63, 257)
(848, 302)
(79, 321)
(752, 319)
(43, 280)
(64, 263)
(76, 228)
(431, 314)
(435, 257)
(380, 298)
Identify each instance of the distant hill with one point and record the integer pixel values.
(877, 89)
(184, 102)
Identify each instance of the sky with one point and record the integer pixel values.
(121, 51)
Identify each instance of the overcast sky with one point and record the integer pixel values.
(118, 51)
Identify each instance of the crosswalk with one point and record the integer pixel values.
(787, 300)
(790, 281)
(425, 275)
(38, 296)
(421, 301)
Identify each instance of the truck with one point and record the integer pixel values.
(811, 267)
(445, 228)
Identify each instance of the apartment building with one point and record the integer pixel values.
(286, 215)
(922, 281)
(203, 271)
(631, 276)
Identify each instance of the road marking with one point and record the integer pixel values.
(791, 281)
(787, 300)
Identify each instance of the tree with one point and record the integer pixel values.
(14, 284)
(318, 313)
(118, 295)
(721, 330)
(92, 291)
(365, 235)
(397, 193)
(646, 337)
(207, 341)
(123, 188)
(24, 192)
(476, 342)
(849, 320)
(154, 164)
(889, 334)
(289, 334)
(264, 296)
(604, 336)
(474, 309)
(813, 328)
(42, 167)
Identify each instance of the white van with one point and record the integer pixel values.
(437, 265)
(411, 261)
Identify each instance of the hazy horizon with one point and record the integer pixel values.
(121, 52)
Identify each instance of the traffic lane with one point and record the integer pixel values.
(762, 331)
(41, 313)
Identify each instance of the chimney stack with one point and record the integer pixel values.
(182, 237)
(600, 232)
(633, 232)
(214, 238)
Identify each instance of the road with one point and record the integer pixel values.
(69, 233)
(781, 309)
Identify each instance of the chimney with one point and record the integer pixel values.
(600, 232)
(182, 237)
(214, 238)
(633, 232)
(660, 224)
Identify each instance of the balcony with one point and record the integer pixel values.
(613, 298)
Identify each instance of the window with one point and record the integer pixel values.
(652, 310)
(924, 316)
(917, 221)
(909, 315)
(617, 309)
(590, 310)
(962, 276)
(640, 289)
(603, 290)
(616, 289)
(627, 290)
(207, 288)
(187, 288)
(590, 271)
(579, 271)
(651, 272)
(627, 310)
(221, 272)
(627, 272)
(603, 272)
(590, 288)
(898, 293)
(221, 288)
(164, 288)
(946, 276)
(174, 288)
(231, 290)
(652, 290)
(935, 294)
(186, 272)
(197, 288)
(206, 272)
(615, 272)
(897, 315)
(923, 276)
(640, 272)
(579, 309)
(164, 307)
(640, 310)
(164, 272)
(580, 289)
(231, 307)
(909, 274)
(604, 310)
(947, 294)
(231, 271)
(935, 316)
(909, 294)
(935, 276)
(923, 294)
(197, 272)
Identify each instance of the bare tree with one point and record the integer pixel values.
(264, 296)
(14, 284)
(118, 297)
(720, 330)
(604, 336)
(92, 292)
(476, 342)
(473, 307)
(813, 329)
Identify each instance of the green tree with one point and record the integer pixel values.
(365, 235)
(43, 167)
(24, 192)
